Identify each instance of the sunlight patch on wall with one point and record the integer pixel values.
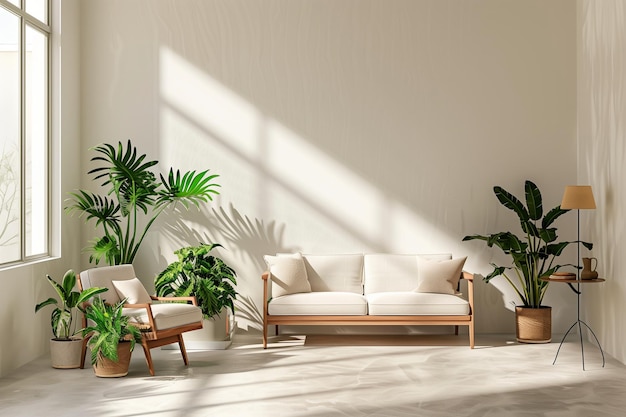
(271, 172)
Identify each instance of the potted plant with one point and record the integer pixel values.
(133, 189)
(211, 281)
(532, 256)
(65, 349)
(111, 338)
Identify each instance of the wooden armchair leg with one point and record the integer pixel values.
(83, 353)
(146, 351)
(456, 330)
(183, 350)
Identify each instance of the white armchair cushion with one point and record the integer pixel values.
(288, 274)
(133, 290)
(435, 276)
(166, 315)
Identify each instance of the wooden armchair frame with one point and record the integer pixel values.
(151, 337)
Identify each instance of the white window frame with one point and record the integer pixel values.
(27, 20)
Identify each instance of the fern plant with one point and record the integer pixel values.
(108, 328)
(533, 255)
(132, 191)
(199, 274)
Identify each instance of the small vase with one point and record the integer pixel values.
(589, 270)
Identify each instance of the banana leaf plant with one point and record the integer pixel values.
(199, 274)
(533, 255)
(62, 317)
(132, 192)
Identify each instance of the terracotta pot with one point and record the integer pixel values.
(65, 354)
(533, 325)
(106, 368)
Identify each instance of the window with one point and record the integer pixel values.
(24, 130)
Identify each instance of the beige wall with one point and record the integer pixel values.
(25, 335)
(340, 126)
(336, 126)
(602, 162)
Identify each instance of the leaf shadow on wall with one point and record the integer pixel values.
(245, 241)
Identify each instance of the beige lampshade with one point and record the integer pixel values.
(578, 197)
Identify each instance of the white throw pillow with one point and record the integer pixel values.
(439, 276)
(133, 290)
(288, 274)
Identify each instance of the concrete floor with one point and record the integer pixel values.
(429, 376)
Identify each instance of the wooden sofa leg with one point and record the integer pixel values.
(471, 334)
(456, 330)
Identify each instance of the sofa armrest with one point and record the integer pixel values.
(193, 300)
(467, 275)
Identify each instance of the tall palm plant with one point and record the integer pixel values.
(132, 191)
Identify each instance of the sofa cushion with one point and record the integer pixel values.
(391, 272)
(335, 272)
(166, 315)
(288, 274)
(439, 276)
(413, 303)
(133, 290)
(319, 303)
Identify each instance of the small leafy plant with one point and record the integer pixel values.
(533, 255)
(62, 316)
(109, 328)
(199, 274)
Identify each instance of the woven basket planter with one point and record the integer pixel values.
(533, 325)
(106, 368)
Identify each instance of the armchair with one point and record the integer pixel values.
(162, 320)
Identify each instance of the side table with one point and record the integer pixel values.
(578, 320)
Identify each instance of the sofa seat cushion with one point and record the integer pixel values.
(319, 304)
(408, 303)
(166, 315)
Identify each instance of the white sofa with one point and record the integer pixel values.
(370, 289)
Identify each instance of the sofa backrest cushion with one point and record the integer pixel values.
(288, 274)
(335, 272)
(104, 277)
(391, 272)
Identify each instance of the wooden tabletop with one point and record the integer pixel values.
(571, 280)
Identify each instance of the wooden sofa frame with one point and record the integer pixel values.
(371, 320)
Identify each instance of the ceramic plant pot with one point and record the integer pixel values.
(65, 354)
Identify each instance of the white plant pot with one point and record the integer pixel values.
(215, 334)
(65, 354)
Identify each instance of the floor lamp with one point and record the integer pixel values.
(578, 197)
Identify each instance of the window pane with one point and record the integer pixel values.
(16, 2)
(36, 149)
(10, 245)
(38, 9)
